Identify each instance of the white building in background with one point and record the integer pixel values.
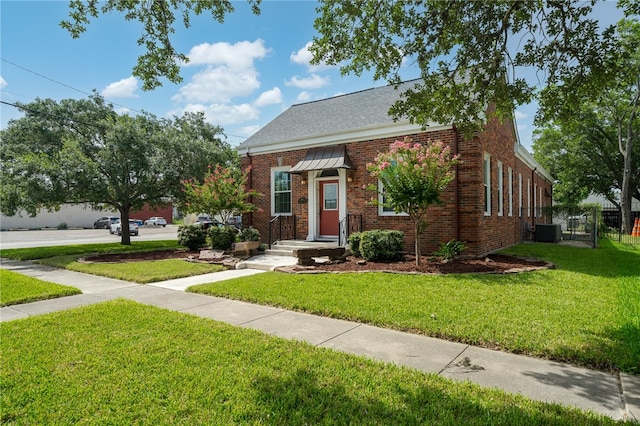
(71, 215)
(599, 199)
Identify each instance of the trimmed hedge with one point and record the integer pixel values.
(193, 237)
(222, 237)
(379, 245)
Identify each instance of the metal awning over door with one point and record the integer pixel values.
(323, 158)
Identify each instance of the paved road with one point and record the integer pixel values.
(56, 237)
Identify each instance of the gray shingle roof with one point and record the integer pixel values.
(353, 111)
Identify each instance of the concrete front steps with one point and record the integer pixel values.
(281, 254)
(286, 247)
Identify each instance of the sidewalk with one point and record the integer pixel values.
(617, 396)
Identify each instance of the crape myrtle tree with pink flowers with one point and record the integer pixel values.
(413, 176)
(222, 193)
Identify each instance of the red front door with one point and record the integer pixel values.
(329, 208)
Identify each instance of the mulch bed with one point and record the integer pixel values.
(494, 263)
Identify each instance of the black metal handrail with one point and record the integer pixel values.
(282, 227)
(348, 225)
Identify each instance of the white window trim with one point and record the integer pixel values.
(273, 192)
(510, 189)
(381, 211)
(486, 183)
(500, 189)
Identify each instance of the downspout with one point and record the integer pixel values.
(533, 192)
(456, 218)
(250, 184)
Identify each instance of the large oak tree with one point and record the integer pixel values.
(82, 152)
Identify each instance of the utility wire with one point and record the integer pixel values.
(60, 83)
(48, 114)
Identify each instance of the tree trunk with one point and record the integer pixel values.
(416, 232)
(627, 226)
(126, 234)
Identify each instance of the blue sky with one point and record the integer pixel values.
(242, 73)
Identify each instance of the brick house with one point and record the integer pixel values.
(310, 165)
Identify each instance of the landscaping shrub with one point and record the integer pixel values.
(354, 243)
(450, 249)
(192, 237)
(222, 237)
(381, 245)
(249, 234)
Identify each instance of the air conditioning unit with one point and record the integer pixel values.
(548, 233)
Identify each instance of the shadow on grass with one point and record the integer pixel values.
(608, 260)
(300, 398)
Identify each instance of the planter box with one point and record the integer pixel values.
(245, 248)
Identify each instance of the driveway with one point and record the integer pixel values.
(61, 237)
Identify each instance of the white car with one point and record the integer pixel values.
(116, 228)
(156, 221)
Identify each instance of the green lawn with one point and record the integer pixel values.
(66, 257)
(142, 272)
(32, 253)
(124, 363)
(586, 312)
(17, 288)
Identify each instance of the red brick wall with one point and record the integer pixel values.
(482, 234)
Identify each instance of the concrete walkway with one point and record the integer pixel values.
(614, 395)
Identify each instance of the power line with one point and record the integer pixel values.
(48, 114)
(60, 83)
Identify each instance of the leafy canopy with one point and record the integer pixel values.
(467, 51)
(82, 152)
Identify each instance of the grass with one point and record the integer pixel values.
(141, 272)
(585, 312)
(120, 362)
(17, 288)
(84, 249)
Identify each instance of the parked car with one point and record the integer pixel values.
(205, 221)
(116, 228)
(156, 221)
(105, 222)
(140, 222)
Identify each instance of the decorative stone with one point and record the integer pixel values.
(211, 254)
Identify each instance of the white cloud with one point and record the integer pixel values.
(248, 130)
(270, 97)
(124, 88)
(303, 96)
(229, 72)
(235, 56)
(304, 57)
(219, 84)
(224, 114)
(3, 83)
(314, 81)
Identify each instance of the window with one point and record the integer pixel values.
(520, 194)
(280, 191)
(487, 184)
(500, 189)
(510, 189)
(383, 210)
